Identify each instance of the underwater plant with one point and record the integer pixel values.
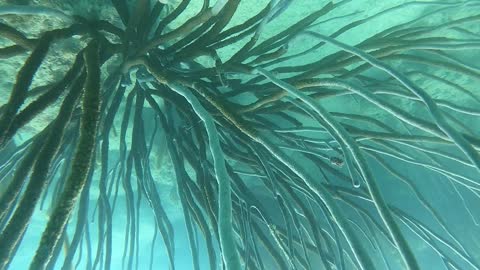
(329, 142)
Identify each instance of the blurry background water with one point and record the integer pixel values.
(456, 204)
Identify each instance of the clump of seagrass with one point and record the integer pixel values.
(264, 170)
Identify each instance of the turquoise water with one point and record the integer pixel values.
(239, 134)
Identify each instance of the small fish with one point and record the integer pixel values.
(336, 161)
